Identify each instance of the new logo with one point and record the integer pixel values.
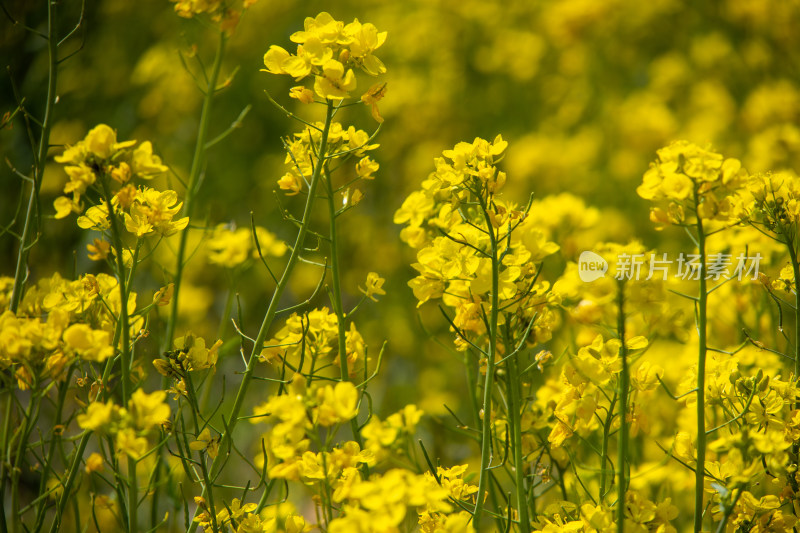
(591, 266)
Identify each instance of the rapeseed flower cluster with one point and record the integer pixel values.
(329, 50)
(633, 402)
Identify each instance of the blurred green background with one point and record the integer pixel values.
(585, 91)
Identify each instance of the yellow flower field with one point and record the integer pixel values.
(400, 266)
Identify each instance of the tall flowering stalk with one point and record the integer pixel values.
(477, 254)
(309, 156)
(198, 162)
(776, 212)
(701, 189)
(27, 239)
(622, 392)
(102, 173)
(224, 17)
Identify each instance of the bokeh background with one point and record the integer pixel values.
(585, 91)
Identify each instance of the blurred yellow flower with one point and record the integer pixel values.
(97, 416)
(89, 344)
(148, 410)
(95, 463)
(374, 286)
(301, 94)
(98, 250)
(128, 443)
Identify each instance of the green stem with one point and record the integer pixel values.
(73, 472)
(486, 426)
(21, 272)
(31, 414)
(121, 483)
(124, 344)
(624, 383)
(226, 315)
(76, 459)
(336, 297)
(269, 316)
(604, 450)
(728, 511)
(796, 270)
(194, 174)
(124, 325)
(6, 457)
(515, 419)
(702, 305)
(133, 496)
(154, 520)
(207, 484)
(198, 161)
(62, 394)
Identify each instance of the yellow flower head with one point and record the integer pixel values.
(337, 403)
(330, 51)
(148, 410)
(688, 176)
(97, 416)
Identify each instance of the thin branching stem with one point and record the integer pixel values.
(488, 385)
(513, 379)
(336, 294)
(32, 214)
(269, 316)
(702, 330)
(124, 340)
(198, 162)
(622, 393)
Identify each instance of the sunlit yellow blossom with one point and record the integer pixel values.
(274, 59)
(80, 178)
(122, 173)
(365, 40)
(100, 141)
(197, 354)
(330, 50)
(125, 196)
(646, 376)
(366, 167)
(96, 218)
(154, 210)
(683, 448)
(700, 179)
(415, 208)
(334, 82)
(337, 403)
(291, 182)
